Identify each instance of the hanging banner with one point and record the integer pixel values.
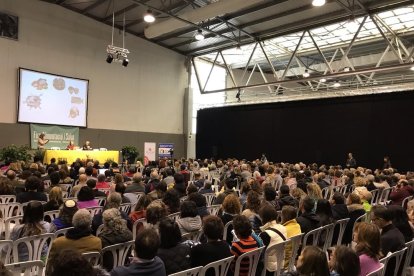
(165, 150)
(149, 152)
(57, 136)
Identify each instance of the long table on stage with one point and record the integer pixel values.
(70, 156)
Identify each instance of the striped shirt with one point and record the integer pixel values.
(240, 247)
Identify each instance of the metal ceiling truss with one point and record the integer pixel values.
(339, 67)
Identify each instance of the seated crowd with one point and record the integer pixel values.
(258, 204)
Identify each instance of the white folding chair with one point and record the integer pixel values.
(359, 219)
(138, 223)
(184, 198)
(341, 225)
(253, 256)
(220, 267)
(125, 207)
(4, 199)
(66, 187)
(214, 209)
(119, 252)
(379, 272)
(10, 209)
(6, 247)
(34, 246)
(174, 216)
(405, 202)
(326, 192)
(384, 196)
(314, 234)
(398, 255)
(29, 268)
(101, 201)
(99, 229)
(329, 231)
(62, 232)
(9, 224)
(51, 214)
(92, 257)
(193, 236)
(189, 272)
(408, 257)
(210, 198)
(277, 250)
(95, 210)
(375, 196)
(226, 227)
(296, 242)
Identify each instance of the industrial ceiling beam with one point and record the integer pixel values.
(92, 6)
(121, 11)
(389, 68)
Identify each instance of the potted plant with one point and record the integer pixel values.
(15, 153)
(130, 154)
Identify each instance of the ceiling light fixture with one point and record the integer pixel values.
(337, 84)
(318, 3)
(109, 58)
(149, 16)
(412, 68)
(323, 80)
(125, 62)
(306, 74)
(347, 69)
(199, 35)
(115, 53)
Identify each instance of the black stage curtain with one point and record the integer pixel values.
(321, 131)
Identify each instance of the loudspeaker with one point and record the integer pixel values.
(9, 26)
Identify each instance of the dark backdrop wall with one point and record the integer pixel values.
(321, 131)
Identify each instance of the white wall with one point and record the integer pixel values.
(147, 96)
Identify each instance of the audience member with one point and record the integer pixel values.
(339, 208)
(55, 199)
(344, 262)
(367, 239)
(285, 198)
(140, 209)
(64, 220)
(174, 254)
(289, 215)
(145, 262)
(312, 261)
(308, 220)
(32, 185)
(189, 220)
(136, 186)
(272, 233)
(86, 198)
(229, 184)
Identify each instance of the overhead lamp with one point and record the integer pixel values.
(323, 80)
(306, 74)
(347, 69)
(125, 62)
(412, 68)
(149, 16)
(337, 84)
(199, 35)
(318, 3)
(109, 58)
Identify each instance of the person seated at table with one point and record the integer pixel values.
(87, 146)
(70, 146)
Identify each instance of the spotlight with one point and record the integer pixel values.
(323, 80)
(125, 62)
(199, 36)
(318, 3)
(347, 69)
(306, 74)
(149, 16)
(109, 58)
(337, 84)
(412, 68)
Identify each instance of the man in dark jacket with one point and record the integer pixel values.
(339, 208)
(229, 185)
(146, 262)
(285, 198)
(308, 221)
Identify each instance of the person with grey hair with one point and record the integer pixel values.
(79, 238)
(114, 200)
(114, 231)
(136, 185)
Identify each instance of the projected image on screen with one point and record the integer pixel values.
(51, 99)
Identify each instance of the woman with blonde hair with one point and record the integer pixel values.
(314, 191)
(367, 238)
(55, 199)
